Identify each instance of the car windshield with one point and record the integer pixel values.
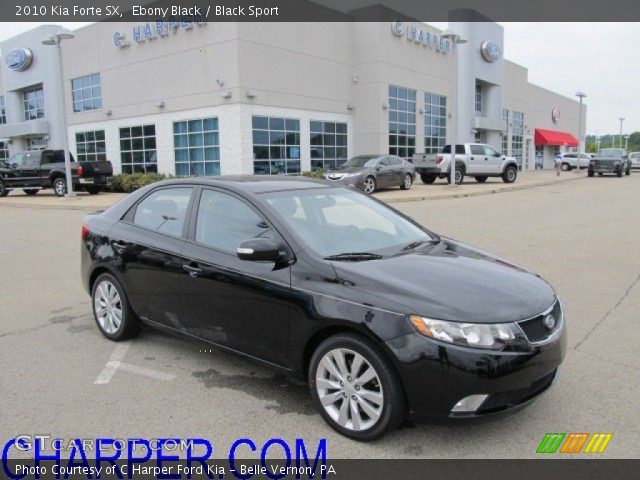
(340, 221)
(362, 161)
(611, 152)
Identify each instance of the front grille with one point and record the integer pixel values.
(604, 163)
(535, 328)
(499, 401)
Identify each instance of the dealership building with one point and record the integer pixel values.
(187, 98)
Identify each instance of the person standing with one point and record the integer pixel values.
(558, 164)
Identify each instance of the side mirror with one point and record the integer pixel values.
(260, 250)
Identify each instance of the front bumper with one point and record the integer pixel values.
(605, 168)
(437, 376)
(355, 181)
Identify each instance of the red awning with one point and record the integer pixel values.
(551, 137)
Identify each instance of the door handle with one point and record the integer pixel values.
(471, 158)
(193, 271)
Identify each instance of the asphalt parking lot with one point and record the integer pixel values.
(61, 377)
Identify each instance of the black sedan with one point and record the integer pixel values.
(380, 316)
(372, 172)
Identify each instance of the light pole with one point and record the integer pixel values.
(621, 121)
(581, 96)
(455, 40)
(56, 39)
(626, 142)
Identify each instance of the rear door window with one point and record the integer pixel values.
(164, 210)
(477, 150)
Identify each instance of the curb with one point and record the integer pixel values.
(90, 208)
(477, 194)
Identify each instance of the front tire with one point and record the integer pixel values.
(3, 190)
(590, 173)
(619, 173)
(565, 167)
(406, 184)
(60, 186)
(510, 174)
(481, 179)
(369, 185)
(627, 171)
(427, 178)
(111, 309)
(355, 387)
(92, 189)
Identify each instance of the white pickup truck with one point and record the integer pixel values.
(477, 160)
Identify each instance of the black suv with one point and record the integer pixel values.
(610, 160)
(34, 170)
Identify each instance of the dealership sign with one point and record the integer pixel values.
(19, 59)
(153, 30)
(490, 51)
(421, 37)
(555, 114)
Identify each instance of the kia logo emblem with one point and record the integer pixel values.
(549, 321)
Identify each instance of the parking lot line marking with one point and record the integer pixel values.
(115, 362)
(145, 371)
(112, 364)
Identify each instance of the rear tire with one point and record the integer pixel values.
(427, 178)
(619, 173)
(3, 191)
(406, 184)
(384, 392)
(481, 179)
(28, 191)
(111, 309)
(510, 174)
(60, 186)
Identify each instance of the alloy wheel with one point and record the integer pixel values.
(60, 187)
(108, 307)
(458, 176)
(511, 175)
(407, 181)
(349, 389)
(369, 185)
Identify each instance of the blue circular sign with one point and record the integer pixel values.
(19, 59)
(491, 51)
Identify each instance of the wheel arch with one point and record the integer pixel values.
(509, 164)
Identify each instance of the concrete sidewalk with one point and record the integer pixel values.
(419, 191)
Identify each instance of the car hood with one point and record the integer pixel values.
(452, 281)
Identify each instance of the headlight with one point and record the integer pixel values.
(490, 336)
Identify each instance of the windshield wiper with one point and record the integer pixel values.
(417, 243)
(354, 256)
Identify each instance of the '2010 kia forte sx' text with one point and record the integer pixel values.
(382, 317)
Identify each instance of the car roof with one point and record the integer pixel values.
(255, 183)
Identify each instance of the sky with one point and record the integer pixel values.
(599, 59)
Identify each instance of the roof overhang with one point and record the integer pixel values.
(31, 128)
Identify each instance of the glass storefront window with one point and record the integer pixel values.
(402, 121)
(33, 101)
(197, 147)
(276, 145)
(328, 144)
(505, 133)
(517, 135)
(138, 149)
(3, 110)
(91, 146)
(435, 122)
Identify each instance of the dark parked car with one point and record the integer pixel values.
(380, 316)
(35, 170)
(610, 160)
(371, 172)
